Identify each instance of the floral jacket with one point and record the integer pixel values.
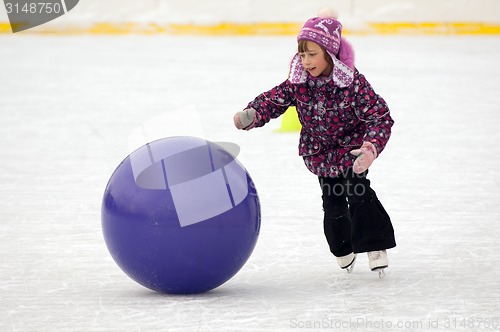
(334, 120)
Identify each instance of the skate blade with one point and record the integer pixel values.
(350, 267)
(381, 271)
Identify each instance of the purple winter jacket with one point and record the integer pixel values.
(334, 120)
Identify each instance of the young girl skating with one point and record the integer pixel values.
(345, 126)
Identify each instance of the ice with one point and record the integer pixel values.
(71, 105)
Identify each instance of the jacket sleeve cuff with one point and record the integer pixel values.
(376, 146)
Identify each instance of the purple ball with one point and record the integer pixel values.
(180, 215)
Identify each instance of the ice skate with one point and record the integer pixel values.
(347, 262)
(378, 261)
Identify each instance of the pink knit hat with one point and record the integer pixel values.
(326, 31)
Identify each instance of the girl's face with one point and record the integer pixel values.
(314, 60)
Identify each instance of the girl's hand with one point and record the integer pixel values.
(365, 157)
(245, 119)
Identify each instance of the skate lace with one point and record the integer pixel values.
(374, 255)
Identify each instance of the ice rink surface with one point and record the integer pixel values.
(69, 107)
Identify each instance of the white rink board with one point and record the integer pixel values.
(258, 11)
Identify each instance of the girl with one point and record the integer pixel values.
(345, 126)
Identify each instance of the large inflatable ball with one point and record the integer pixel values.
(180, 215)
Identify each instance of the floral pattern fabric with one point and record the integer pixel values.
(335, 120)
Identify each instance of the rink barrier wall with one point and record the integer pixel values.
(264, 29)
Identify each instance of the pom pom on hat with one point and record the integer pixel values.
(328, 13)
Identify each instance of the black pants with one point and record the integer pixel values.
(355, 220)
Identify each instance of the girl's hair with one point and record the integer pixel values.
(302, 47)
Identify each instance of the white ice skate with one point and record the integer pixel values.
(347, 262)
(378, 261)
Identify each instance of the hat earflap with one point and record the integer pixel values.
(346, 53)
